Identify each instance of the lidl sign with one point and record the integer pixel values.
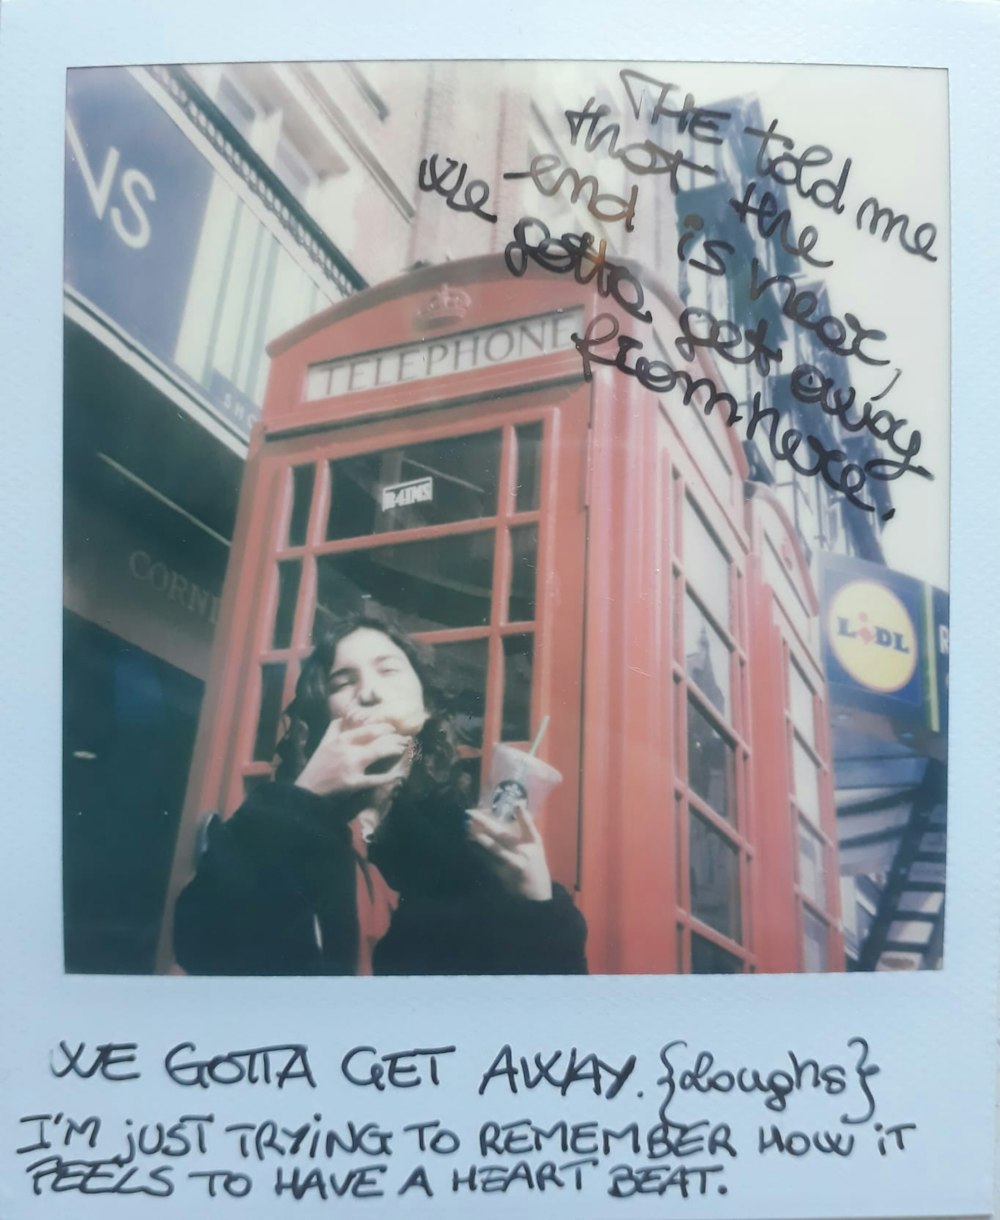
(882, 634)
(873, 636)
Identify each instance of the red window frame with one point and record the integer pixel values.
(557, 625)
(823, 827)
(737, 832)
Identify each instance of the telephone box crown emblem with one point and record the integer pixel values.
(443, 306)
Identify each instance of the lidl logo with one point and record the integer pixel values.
(872, 636)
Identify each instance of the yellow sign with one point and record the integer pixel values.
(872, 636)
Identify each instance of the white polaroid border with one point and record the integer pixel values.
(933, 1034)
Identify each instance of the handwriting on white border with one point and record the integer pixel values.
(661, 1124)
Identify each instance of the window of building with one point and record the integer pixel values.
(246, 288)
(711, 846)
(715, 878)
(236, 105)
(815, 943)
(458, 570)
(816, 890)
(802, 704)
(812, 874)
(864, 917)
(707, 657)
(805, 774)
(711, 763)
(292, 168)
(706, 565)
(805, 765)
(709, 958)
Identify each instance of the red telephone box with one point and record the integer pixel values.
(570, 548)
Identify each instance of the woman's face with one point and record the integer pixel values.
(372, 678)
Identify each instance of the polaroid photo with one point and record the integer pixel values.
(508, 525)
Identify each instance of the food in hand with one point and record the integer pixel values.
(407, 721)
(382, 766)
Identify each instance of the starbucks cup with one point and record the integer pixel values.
(516, 776)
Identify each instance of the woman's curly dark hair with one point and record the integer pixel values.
(308, 715)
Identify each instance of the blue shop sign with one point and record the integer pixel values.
(136, 195)
(875, 638)
(241, 411)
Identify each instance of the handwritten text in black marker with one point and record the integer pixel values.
(629, 1180)
(770, 221)
(109, 1060)
(476, 194)
(713, 248)
(641, 157)
(810, 385)
(559, 1070)
(806, 454)
(602, 205)
(872, 213)
(701, 329)
(703, 125)
(575, 254)
(397, 1070)
(498, 1179)
(800, 305)
(260, 1065)
(798, 170)
(98, 1177)
(362, 1183)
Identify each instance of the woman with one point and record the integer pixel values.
(361, 857)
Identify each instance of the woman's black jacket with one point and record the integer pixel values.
(275, 894)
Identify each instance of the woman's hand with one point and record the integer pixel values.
(341, 760)
(515, 852)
